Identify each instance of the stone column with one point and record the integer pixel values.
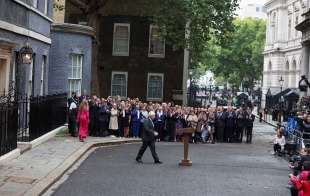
(305, 60)
(304, 70)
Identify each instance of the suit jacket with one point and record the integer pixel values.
(104, 113)
(231, 119)
(134, 115)
(148, 130)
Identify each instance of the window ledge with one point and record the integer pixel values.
(154, 99)
(162, 56)
(120, 54)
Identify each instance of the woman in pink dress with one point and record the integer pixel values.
(83, 120)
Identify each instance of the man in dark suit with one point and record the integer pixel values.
(148, 138)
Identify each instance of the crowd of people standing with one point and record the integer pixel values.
(113, 116)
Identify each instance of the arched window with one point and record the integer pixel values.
(287, 66)
(270, 66)
(294, 66)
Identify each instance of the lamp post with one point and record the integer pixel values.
(25, 57)
(190, 86)
(210, 88)
(281, 81)
(281, 108)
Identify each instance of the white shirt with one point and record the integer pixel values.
(280, 141)
(73, 106)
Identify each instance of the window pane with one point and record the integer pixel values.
(157, 44)
(155, 87)
(121, 39)
(121, 32)
(76, 67)
(119, 85)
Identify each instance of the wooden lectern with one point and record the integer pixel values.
(187, 132)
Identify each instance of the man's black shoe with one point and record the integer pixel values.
(158, 162)
(139, 161)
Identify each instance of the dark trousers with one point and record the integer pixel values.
(159, 127)
(249, 131)
(220, 133)
(239, 133)
(276, 148)
(151, 145)
(229, 134)
(103, 129)
(72, 125)
(171, 131)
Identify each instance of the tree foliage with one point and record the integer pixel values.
(204, 19)
(239, 58)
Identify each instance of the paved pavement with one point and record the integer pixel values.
(218, 170)
(22, 174)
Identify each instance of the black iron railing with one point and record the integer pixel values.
(23, 118)
(46, 113)
(8, 125)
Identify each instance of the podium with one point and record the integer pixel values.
(187, 132)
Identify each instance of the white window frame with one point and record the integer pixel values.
(126, 79)
(115, 53)
(155, 55)
(35, 3)
(45, 7)
(162, 89)
(81, 73)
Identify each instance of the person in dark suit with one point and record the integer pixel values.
(103, 119)
(160, 123)
(249, 125)
(148, 138)
(73, 110)
(220, 124)
(230, 125)
(241, 123)
(136, 120)
(93, 107)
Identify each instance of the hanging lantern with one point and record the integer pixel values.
(26, 54)
(303, 84)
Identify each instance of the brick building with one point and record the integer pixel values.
(133, 61)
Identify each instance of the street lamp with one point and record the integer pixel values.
(210, 88)
(26, 54)
(281, 81)
(25, 58)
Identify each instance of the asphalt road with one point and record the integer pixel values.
(218, 170)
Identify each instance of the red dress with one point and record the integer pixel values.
(302, 184)
(83, 120)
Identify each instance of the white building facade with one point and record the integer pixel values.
(283, 49)
(252, 9)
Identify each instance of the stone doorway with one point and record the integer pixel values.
(4, 75)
